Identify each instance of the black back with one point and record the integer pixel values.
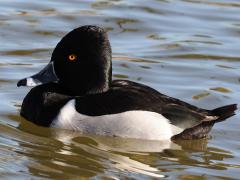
(126, 96)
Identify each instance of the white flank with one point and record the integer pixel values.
(130, 124)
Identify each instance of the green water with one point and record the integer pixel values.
(189, 49)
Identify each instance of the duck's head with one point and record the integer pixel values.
(80, 63)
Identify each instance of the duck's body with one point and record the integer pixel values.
(114, 108)
(128, 109)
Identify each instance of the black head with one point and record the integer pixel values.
(81, 62)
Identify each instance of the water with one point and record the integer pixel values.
(188, 49)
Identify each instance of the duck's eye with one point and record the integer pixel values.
(72, 57)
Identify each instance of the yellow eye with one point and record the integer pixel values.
(72, 57)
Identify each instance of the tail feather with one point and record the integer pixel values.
(224, 112)
(202, 129)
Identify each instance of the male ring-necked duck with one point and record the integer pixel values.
(75, 91)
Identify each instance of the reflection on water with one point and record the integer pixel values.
(25, 52)
(58, 151)
(183, 48)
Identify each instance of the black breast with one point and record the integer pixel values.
(43, 103)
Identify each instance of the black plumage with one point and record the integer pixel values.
(88, 80)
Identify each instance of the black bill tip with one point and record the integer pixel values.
(22, 82)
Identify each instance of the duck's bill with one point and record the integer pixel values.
(46, 75)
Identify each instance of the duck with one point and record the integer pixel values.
(75, 91)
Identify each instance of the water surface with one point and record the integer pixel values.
(184, 48)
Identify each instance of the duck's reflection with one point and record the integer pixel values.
(93, 155)
(113, 151)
